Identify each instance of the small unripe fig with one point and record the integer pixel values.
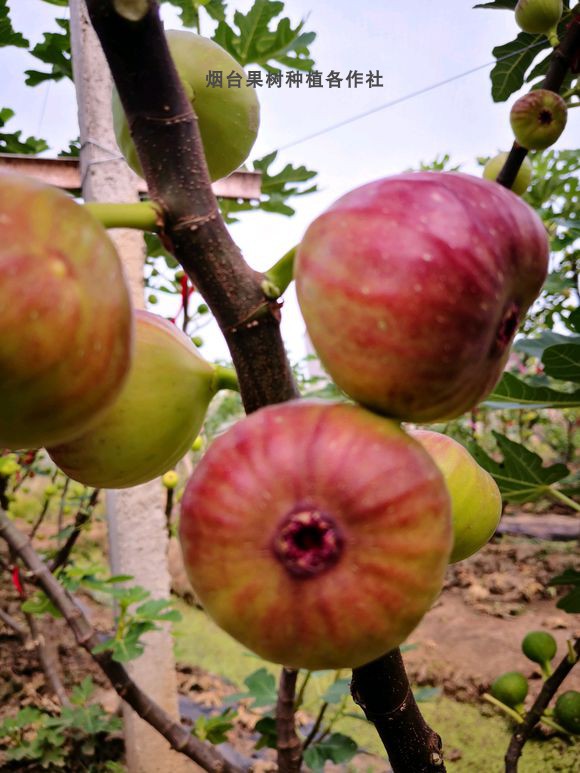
(413, 287)
(567, 711)
(538, 119)
(510, 688)
(538, 17)
(316, 534)
(228, 116)
(155, 419)
(170, 479)
(540, 647)
(523, 178)
(65, 316)
(475, 497)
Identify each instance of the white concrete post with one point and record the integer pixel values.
(137, 532)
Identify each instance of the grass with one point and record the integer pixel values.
(481, 740)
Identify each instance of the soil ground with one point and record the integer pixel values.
(471, 635)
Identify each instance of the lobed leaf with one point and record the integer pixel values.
(521, 477)
(511, 392)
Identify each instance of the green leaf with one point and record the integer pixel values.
(8, 35)
(520, 476)
(573, 320)
(511, 392)
(500, 5)
(268, 734)
(82, 692)
(337, 748)
(40, 604)
(537, 345)
(261, 689)
(55, 51)
(13, 143)
(337, 691)
(255, 42)
(514, 59)
(214, 729)
(563, 362)
(571, 601)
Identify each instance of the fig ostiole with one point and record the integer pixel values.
(475, 498)
(228, 117)
(65, 316)
(316, 534)
(539, 17)
(523, 179)
(413, 287)
(155, 419)
(538, 119)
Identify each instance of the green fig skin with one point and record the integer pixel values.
(567, 711)
(475, 498)
(523, 178)
(65, 316)
(267, 570)
(156, 418)
(511, 689)
(228, 117)
(538, 17)
(538, 119)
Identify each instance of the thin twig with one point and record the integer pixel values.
(83, 516)
(316, 726)
(47, 660)
(288, 744)
(169, 509)
(61, 506)
(178, 736)
(8, 620)
(534, 715)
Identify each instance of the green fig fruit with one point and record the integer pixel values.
(538, 119)
(538, 17)
(567, 711)
(523, 178)
(510, 688)
(475, 498)
(228, 116)
(156, 418)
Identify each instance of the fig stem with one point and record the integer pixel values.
(280, 276)
(142, 216)
(502, 707)
(564, 499)
(225, 378)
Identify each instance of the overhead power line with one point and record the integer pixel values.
(405, 98)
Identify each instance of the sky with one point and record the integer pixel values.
(413, 45)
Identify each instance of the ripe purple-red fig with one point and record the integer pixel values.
(412, 289)
(523, 178)
(538, 17)
(155, 419)
(475, 497)
(65, 316)
(316, 534)
(538, 119)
